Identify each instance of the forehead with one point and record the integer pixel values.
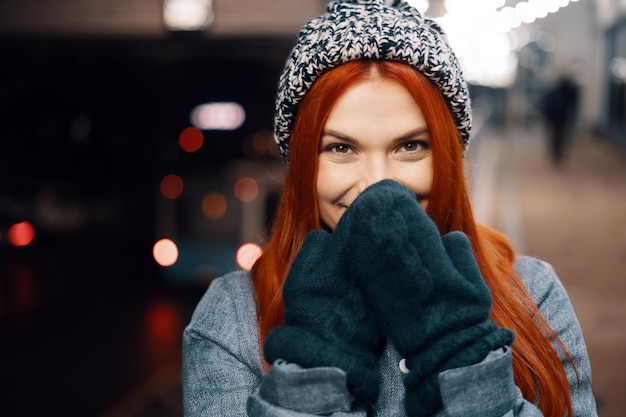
(375, 101)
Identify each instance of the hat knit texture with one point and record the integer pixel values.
(352, 30)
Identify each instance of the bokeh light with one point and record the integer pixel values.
(187, 14)
(165, 252)
(218, 116)
(510, 17)
(162, 322)
(483, 35)
(525, 12)
(214, 205)
(421, 5)
(191, 139)
(21, 234)
(540, 8)
(246, 189)
(25, 287)
(259, 143)
(172, 186)
(247, 255)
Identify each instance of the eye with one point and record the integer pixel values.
(414, 146)
(337, 148)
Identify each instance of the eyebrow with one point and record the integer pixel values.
(420, 131)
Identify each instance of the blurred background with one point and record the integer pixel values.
(137, 163)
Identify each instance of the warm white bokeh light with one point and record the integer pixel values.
(247, 255)
(484, 35)
(509, 15)
(165, 252)
(218, 116)
(421, 5)
(187, 14)
(525, 12)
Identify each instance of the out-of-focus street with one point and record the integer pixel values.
(573, 216)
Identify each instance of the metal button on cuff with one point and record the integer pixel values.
(403, 367)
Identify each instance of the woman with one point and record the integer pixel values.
(377, 293)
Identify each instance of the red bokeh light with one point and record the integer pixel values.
(25, 287)
(214, 205)
(246, 189)
(191, 139)
(21, 234)
(162, 322)
(172, 186)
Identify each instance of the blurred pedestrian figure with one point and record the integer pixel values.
(560, 106)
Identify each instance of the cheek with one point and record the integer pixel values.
(418, 177)
(323, 186)
(332, 188)
(330, 182)
(325, 197)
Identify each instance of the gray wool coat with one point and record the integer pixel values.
(223, 376)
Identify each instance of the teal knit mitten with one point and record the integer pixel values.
(327, 322)
(426, 291)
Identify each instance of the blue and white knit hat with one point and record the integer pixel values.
(351, 30)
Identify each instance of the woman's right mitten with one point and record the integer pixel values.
(327, 322)
(427, 292)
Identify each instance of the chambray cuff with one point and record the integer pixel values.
(486, 388)
(321, 390)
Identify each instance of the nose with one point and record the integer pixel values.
(373, 170)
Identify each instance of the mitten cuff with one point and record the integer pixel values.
(304, 348)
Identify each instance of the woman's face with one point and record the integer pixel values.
(375, 131)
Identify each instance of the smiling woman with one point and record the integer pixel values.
(377, 292)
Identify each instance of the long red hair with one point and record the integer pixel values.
(538, 370)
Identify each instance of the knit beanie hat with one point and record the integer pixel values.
(351, 30)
